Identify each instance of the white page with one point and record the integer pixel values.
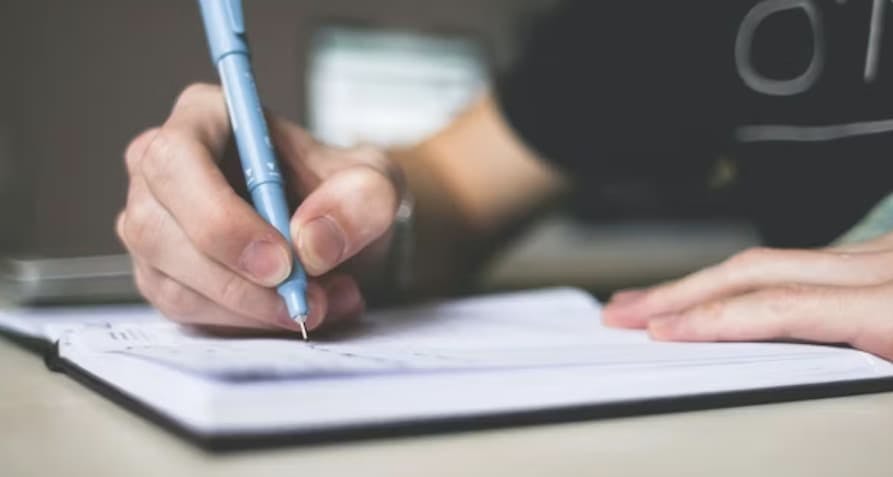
(491, 355)
(483, 333)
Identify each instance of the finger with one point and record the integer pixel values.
(163, 245)
(344, 186)
(750, 270)
(137, 149)
(344, 300)
(201, 111)
(306, 163)
(857, 316)
(310, 163)
(151, 234)
(626, 296)
(179, 167)
(345, 214)
(182, 304)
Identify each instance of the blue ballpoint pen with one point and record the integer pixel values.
(225, 28)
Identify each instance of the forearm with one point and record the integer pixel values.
(473, 183)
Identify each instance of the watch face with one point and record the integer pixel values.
(389, 88)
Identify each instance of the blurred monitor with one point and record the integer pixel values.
(389, 88)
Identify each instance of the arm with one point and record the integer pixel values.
(472, 183)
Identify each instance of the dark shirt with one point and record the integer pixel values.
(639, 100)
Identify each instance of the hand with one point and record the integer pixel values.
(833, 295)
(201, 253)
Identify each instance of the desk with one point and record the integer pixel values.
(50, 425)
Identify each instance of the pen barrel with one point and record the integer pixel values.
(256, 151)
(269, 200)
(248, 122)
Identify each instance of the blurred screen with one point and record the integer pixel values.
(389, 87)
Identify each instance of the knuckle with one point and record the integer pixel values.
(197, 91)
(134, 153)
(132, 163)
(142, 227)
(235, 292)
(702, 322)
(751, 257)
(161, 154)
(378, 191)
(714, 310)
(120, 224)
(131, 157)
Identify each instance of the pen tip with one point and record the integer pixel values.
(303, 328)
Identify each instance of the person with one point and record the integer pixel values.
(772, 110)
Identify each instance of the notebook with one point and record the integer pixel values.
(39, 327)
(510, 359)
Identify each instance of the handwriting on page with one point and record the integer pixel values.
(267, 360)
(470, 336)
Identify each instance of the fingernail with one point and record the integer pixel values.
(266, 262)
(320, 245)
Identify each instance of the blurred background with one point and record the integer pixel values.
(79, 79)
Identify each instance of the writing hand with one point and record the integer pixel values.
(201, 253)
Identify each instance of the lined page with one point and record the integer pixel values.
(554, 328)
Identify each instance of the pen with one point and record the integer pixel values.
(225, 28)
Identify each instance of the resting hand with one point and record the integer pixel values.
(833, 295)
(201, 253)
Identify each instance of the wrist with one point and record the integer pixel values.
(386, 274)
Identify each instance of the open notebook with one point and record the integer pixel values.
(498, 360)
(40, 327)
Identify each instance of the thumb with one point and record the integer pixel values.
(341, 217)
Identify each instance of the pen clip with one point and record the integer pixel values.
(224, 26)
(235, 16)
